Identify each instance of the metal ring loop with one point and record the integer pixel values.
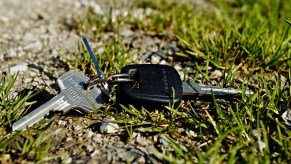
(115, 78)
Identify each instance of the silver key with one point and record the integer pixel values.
(72, 95)
(197, 89)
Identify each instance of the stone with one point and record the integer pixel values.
(62, 122)
(140, 140)
(4, 19)
(109, 156)
(89, 147)
(95, 153)
(97, 138)
(141, 160)
(155, 59)
(125, 32)
(216, 74)
(163, 140)
(20, 67)
(286, 116)
(69, 139)
(152, 48)
(181, 130)
(33, 46)
(67, 160)
(100, 50)
(191, 133)
(178, 67)
(109, 127)
(57, 131)
(262, 145)
(78, 127)
(88, 134)
(163, 62)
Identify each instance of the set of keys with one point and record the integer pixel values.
(141, 84)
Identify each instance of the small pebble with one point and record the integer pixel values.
(17, 68)
(181, 130)
(97, 139)
(125, 32)
(141, 160)
(68, 139)
(191, 133)
(262, 145)
(109, 157)
(155, 138)
(216, 74)
(27, 80)
(95, 153)
(32, 74)
(62, 122)
(67, 160)
(256, 133)
(152, 48)
(286, 116)
(140, 140)
(163, 62)
(33, 46)
(119, 144)
(89, 148)
(70, 121)
(6, 158)
(4, 19)
(78, 127)
(100, 50)
(155, 59)
(109, 127)
(178, 67)
(57, 131)
(163, 140)
(88, 134)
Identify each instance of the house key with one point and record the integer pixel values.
(72, 95)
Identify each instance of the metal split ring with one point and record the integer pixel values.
(114, 78)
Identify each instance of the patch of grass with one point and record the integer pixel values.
(12, 107)
(114, 57)
(244, 39)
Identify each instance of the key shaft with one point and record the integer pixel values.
(57, 103)
(197, 89)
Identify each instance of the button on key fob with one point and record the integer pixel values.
(154, 85)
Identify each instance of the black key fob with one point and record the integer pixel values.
(154, 85)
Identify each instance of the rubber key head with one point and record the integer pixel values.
(154, 85)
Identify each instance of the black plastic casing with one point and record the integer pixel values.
(157, 85)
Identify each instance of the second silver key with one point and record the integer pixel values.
(72, 95)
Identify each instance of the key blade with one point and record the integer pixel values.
(197, 89)
(57, 103)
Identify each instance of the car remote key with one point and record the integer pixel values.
(161, 84)
(154, 85)
(72, 95)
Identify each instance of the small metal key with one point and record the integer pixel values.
(72, 95)
(160, 84)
